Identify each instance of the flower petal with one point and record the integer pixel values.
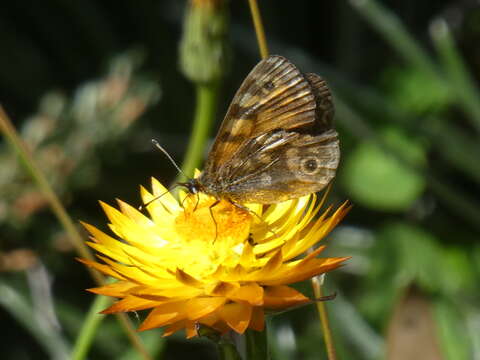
(220, 266)
(117, 289)
(237, 316)
(186, 279)
(302, 270)
(221, 288)
(164, 314)
(257, 322)
(202, 306)
(189, 326)
(251, 293)
(173, 328)
(165, 197)
(131, 303)
(274, 263)
(105, 269)
(280, 297)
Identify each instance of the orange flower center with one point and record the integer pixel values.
(209, 221)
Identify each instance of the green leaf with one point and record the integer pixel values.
(416, 92)
(451, 330)
(418, 255)
(379, 177)
(458, 274)
(403, 254)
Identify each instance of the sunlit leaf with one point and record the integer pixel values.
(379, 178)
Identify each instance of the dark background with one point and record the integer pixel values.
(409, 147)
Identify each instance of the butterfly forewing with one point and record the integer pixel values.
(276, 141)
(274, 95)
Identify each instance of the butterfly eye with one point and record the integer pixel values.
(269, 85)
(310, 166)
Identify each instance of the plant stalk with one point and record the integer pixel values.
(259, 30)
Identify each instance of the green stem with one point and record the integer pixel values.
(33, 169)
(454, 144)
(257, 346)
(465, 90)
(227, 350)
(207, 99)
(391, 28)
(322, 312)
(38, 176)
(89, 328)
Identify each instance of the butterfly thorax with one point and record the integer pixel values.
(215, 187)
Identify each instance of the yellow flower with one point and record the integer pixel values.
(219, 266)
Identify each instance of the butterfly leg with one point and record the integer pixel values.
(217, 201)
(326, 297)
(196, 204)
(244, 208)
(185, 199)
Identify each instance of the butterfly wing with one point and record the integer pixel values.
(276, 141)
(282, 165)
(324, 109)
(274, 95)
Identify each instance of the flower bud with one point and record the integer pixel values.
(203, 48)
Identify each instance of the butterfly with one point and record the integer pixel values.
(276, 142)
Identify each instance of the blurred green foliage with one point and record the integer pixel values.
(370, 172)
(87, 101)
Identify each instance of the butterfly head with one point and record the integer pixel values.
(193, 186)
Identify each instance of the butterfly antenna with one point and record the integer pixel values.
(159, 147)
(141, 207)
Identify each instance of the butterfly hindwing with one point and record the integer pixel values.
(282, 165)
(324, 103)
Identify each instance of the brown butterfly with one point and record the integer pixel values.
(276, 141)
